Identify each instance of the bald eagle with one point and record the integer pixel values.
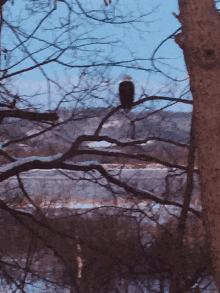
(126, 93)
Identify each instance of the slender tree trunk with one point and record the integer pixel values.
(178, 278)
(200, 42)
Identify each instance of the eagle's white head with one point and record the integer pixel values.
(127, 78)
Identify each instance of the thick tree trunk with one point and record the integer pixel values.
(200, 42)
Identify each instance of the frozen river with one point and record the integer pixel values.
(81, 185)
(82, 190)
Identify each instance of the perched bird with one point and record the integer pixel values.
(126, 93)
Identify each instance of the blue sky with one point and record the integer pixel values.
(161, 24)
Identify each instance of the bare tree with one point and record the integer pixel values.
(118, 243)
(199, 41)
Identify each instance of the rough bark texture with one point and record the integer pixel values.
(178, 281)
(200, 42)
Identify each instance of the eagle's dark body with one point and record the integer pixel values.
(126, 94)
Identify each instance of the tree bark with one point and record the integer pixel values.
(178, 279)
(200, 42)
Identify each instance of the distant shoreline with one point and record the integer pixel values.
(136, 166)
